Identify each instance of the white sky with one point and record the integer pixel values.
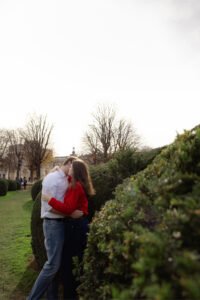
(62, 57)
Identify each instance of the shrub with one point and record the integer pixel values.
(37, 241)
(103, 184)
(18, 185)
(105, 178)
(3, 187)
(145, 243)
(36, 189)
(12, 185)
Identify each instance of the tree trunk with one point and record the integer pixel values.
(38, 173)
(31, 173)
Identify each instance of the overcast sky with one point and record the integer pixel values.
(62, 58)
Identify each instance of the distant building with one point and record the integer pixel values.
(9, 171)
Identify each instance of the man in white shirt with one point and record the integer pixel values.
(55, 184)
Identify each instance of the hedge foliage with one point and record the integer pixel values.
(3, 187)
(37, 241)
(36, 189)
(18, 183)
(12, 185)
(105, 178)
(145, 243)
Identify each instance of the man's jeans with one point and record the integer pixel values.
(54, 240)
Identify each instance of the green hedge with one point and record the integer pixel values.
(37, 241)
(12, 185)
(18, 183)
(105, 178)
(36, 189)
(145, 244)
(3, 187)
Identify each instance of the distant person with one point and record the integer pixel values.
(21, 182)
(17, 179)
(76, 198)
(24, 183)
(56, 184)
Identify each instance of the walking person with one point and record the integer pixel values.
(55, 183)
(24, 183)
(76, 198)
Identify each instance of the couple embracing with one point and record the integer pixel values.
(64, 210)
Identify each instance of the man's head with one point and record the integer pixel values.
(67, 164)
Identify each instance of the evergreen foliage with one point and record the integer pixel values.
(145, 243)
(18, 183)
(105, 178)
(36, 189)
(3, 187)
(12, 185)
(37, 235)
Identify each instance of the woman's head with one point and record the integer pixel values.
(80, 172)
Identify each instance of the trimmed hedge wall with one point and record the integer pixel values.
(3, 187)
(12, 185)
(37, 241)
(105, 178)
(36, 189)
(18, 183)
(145, 243)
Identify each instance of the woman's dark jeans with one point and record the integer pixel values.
(75, 242)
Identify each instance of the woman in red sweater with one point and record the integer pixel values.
(76, 198)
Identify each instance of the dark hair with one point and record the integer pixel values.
(69, 159)
(81, 174)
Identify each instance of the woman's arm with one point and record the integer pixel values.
(74, 215)
(72, 201)
(63, 208)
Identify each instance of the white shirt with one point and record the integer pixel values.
(55, 184)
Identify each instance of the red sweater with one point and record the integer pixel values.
(75, 198)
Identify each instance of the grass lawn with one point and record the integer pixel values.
(16, 275)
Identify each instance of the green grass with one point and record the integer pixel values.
(16, 276)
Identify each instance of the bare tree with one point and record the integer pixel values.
(15, 152)
(106, 135)
(3, 142)
(92, 146)
(10, 162)
(29, 153)
(125, 136)
(36, 136)
(99, 136)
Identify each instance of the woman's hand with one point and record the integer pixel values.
(46, 197)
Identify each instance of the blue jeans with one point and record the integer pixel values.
(54, 234)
